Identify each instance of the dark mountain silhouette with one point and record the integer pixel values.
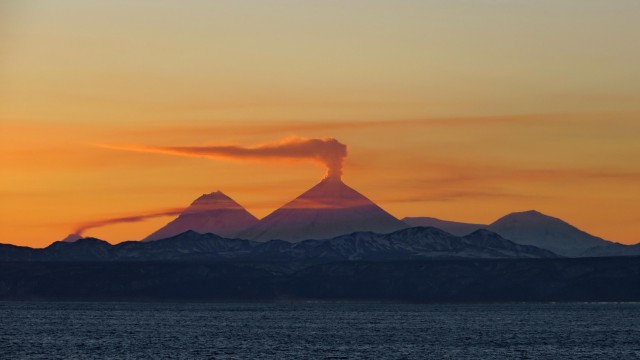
(210, 213)
(411, 243)
(329, 209)
(10, 252)
(85, 249)
(613, 249)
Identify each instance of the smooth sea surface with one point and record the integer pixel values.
(64, 330)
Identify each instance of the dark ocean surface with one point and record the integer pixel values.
(65, 330)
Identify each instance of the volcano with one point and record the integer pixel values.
(328, 209)
(210, 213)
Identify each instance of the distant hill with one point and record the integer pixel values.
(537, 229)
(532, 228)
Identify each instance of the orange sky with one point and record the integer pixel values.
(465, 111)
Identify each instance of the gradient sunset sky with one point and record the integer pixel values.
(460, 110)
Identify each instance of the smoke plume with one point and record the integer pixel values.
(80, 229)
(327, 151)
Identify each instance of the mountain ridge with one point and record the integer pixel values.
(410, 243)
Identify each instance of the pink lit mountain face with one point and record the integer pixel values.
(210, 213)
(329, 209)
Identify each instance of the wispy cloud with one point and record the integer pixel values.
(295, 127)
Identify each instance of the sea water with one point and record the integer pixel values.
(64, 330)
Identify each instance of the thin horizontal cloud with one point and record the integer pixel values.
(528, 175)
(456, 180)
(280, 127)
(454, 195)
(435, 171)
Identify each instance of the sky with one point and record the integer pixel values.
(460, 110)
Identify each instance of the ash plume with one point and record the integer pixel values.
(326, 151)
